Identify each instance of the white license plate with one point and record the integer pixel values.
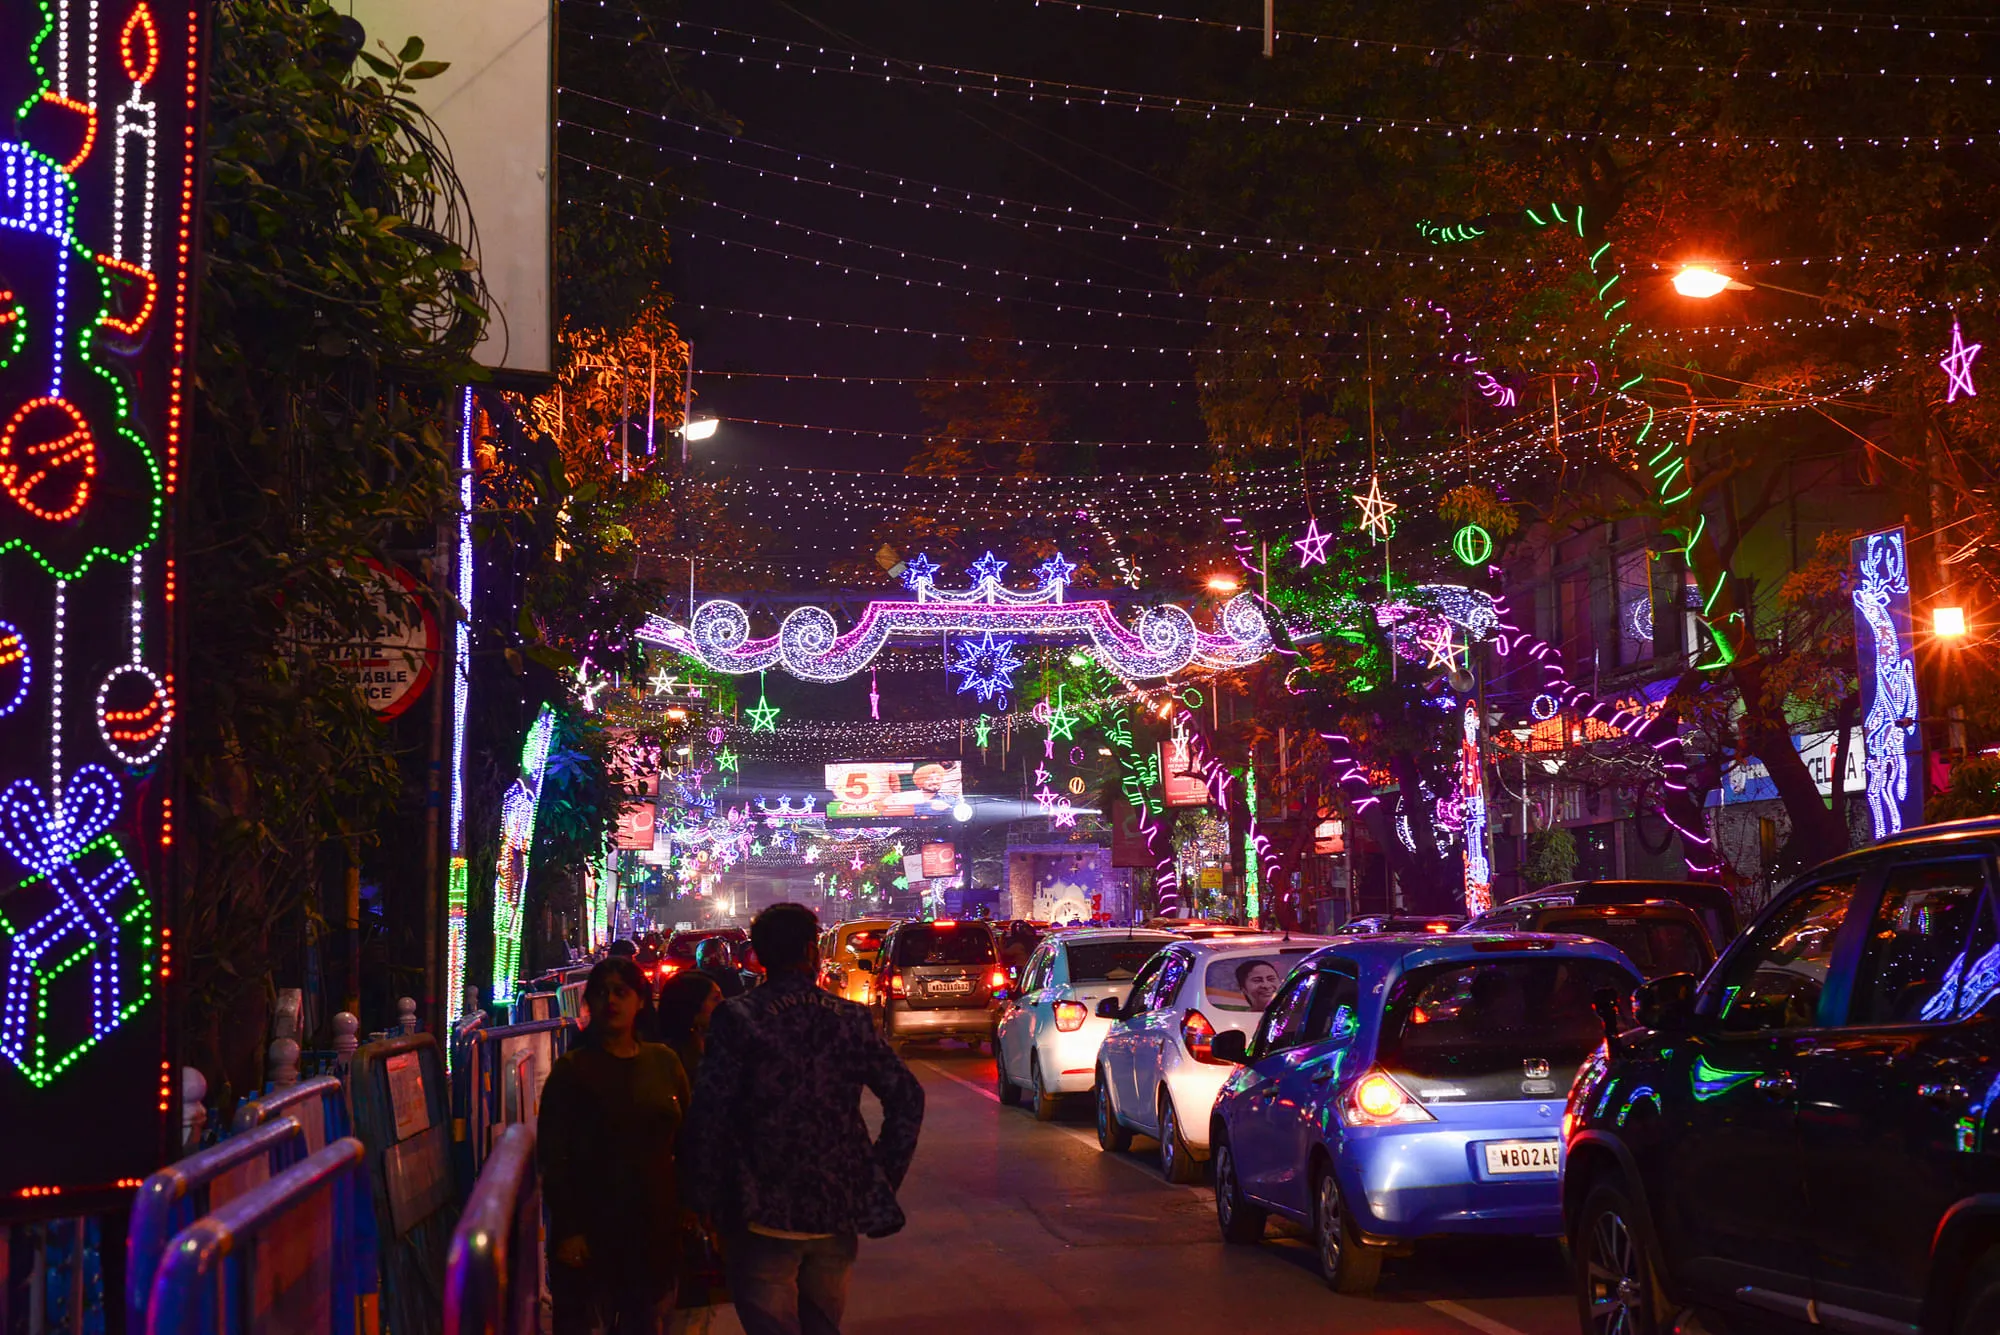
(1523, 1156)
(952, 985)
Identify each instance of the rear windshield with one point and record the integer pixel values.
(1487, 1030)
(863, 943)
(920, 946)
(681, 947)
(1109, 961)
(1247, 982)
(1657, 946)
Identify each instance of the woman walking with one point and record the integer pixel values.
(686, 1002)
(611, 1112)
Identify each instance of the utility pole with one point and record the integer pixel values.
(1270, 28)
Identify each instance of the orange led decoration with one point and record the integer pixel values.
(47, 459)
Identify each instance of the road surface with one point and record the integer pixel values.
(1018, 1226)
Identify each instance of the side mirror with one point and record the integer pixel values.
(1666, 1003)
(1231, 1045)
(1111, 1008)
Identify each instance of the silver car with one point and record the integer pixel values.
(1046, 1039)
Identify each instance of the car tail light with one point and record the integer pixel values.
(1197, 1034)
(1377, 1100)
(1070, 1016)
(945, 922)
(1438, 927)
(998, 978)
(894, 982)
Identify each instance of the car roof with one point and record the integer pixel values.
(1609, 891)
(1944, 832)
(1413, 950)
(1256, 945)
(1089, 934)
(1671, 908)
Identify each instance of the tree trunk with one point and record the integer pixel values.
(1816, 833)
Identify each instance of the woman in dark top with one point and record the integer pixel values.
(611, 1111)
(686, 1002)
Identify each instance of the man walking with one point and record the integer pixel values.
(775, 1146)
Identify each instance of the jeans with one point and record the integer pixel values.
(782, 1287)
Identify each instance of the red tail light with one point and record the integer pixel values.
(1070, 1016)
(998, 978)
(894, 982)
(1197, 1034)
(1377, 1100)
(945, 922)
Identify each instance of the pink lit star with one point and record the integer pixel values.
(1958, 366)
(1312, 547)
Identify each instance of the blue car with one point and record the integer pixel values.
(1405, 1087)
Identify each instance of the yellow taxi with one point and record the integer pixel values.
(843, 949)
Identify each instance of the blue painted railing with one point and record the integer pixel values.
(319, 1104)
(493, 1276)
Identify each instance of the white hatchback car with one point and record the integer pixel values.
(1046, 1039)
(1154, 1072)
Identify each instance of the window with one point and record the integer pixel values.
(1243, 982)
(922, 946)
(1774, 982)
(1168, 984)
(1931, 951)
(1036, 976)
(1495, 1029)
(1285, 1023)
(1336, 1009)
(1109, 961)
(1135, 1000)
(1635, 606)
(1658, 944)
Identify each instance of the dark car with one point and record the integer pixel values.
(1811, 1135)
(1657, 935)
(1383, 924)
(1710, 903)
(938, 980)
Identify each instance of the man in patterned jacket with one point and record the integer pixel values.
(775, 1148)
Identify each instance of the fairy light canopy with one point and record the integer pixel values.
(811, 646)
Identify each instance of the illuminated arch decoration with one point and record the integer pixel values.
(97, 218)
(517, 841)
(810, 645)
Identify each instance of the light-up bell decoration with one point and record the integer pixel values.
(810, 645)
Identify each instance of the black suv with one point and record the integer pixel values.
(1659, 936)
(1710, 903)
(1809, 1137)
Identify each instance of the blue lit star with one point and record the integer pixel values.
(919, 569)
(987, 665)
(988, 567)
(1055, 570)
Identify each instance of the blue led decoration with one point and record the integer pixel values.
(919, 569)
(987, 666)
(988, 567)
(1886, 663)
(1055, 570)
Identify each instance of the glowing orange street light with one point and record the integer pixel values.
(1698, 280)
(1948, 622)
(1223, 583)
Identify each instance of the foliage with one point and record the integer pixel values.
(1551, 857)
(333, 312)
(1974, 791)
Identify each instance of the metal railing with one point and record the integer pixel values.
(493, 1276)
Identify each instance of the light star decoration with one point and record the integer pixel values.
(1958, 366)
(988, 567)
(919, 569)
(1055, 570)
(982, 729)
(662, 683)
(987, 666)
(1312, 547)
(726, 759)
(763, 714)
(1375, 511)
(1444, 650)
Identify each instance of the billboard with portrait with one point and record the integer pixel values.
(890, 788)
(1178, 776)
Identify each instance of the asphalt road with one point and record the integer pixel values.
(1019, 1226)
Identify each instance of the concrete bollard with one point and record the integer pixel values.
(281, 1065)
(406, 1015)
(346, 1038)
(194, 1111)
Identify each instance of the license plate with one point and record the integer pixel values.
(1523, 1156)
(952, 985)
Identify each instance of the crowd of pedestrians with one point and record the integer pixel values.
(707, 1144)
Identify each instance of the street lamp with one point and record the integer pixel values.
(1948, 622)
(1223, 583)
(1701, 282)
(701, 428)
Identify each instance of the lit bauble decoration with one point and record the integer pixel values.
(16, 669)
(134, 714)
(1472, 545)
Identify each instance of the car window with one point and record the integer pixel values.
(864, 942)
(1335, 1009)
(924, 946)
(1931, 953)
(1243, 982)
(1286, 1023)
(1774, 982)
(1658, 945)
(1143, 984)
(1036, 969)
(1173, 972)
(1109, 961)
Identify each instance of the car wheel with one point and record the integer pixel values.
(1010, 1093)
(1979, 1299)
(1617, 1284)
(1045, 1102)
(1177, 1161)
(1242, 1223)
(1346, 1263)
(1113, 1136)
